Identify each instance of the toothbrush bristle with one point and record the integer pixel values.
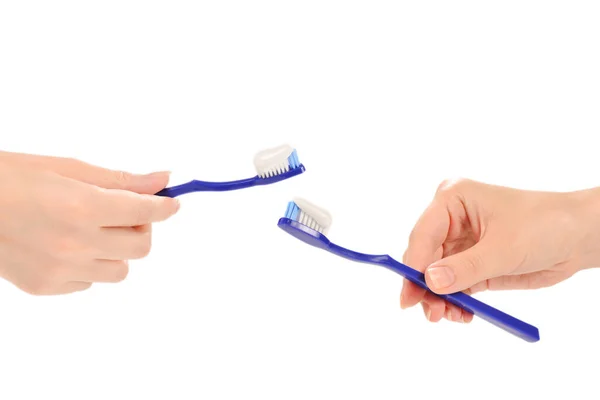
(294, 213)
(292, 162)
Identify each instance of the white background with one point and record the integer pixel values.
(383, 100)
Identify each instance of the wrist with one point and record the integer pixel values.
(584, 206)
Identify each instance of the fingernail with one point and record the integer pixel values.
(153, 177)
(402, 306)
(177, 205)
(159, 173)
(427, 310)
(449, 314)
(457, 315)
(440, 277)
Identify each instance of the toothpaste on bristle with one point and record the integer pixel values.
(273, 161)
(313, 216)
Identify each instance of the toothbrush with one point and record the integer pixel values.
(310, 224)
(272, 165)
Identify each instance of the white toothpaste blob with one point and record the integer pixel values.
(273, 161)
(313, 216)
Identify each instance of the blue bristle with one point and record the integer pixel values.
(293, 160)
(295, 212)
(288, 210)
(292, 211)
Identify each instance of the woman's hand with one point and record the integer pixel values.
(65, 224)
(475, 237)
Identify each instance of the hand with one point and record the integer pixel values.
(65, 224)
(475, 237)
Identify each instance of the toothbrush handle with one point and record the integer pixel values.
(201, 186)
(468, 303)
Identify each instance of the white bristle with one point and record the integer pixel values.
(272, 162)
(312, 216)
(307, 220)
(275, 170)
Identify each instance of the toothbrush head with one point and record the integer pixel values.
(307, 222)
(277, 163)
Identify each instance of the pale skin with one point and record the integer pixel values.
(475, 237)
(66, 225)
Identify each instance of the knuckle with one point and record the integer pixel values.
(472, 265)
(71, 162)
(452, 185)
(412, 237)
(122, 177)
(444, 185)
(143, 211)
(76, 208)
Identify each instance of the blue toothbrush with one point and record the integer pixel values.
(272, 166)
(310, 224)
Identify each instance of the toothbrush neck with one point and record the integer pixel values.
(382, 260)
(356, 256)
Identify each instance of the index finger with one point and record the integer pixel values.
(424, 244)
(121, 208)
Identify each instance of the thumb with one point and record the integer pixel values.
(142, 184)
(463, 270)
(116, 179)
(94, 175)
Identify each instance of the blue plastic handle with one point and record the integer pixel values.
(202, 186)
(462, 300)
